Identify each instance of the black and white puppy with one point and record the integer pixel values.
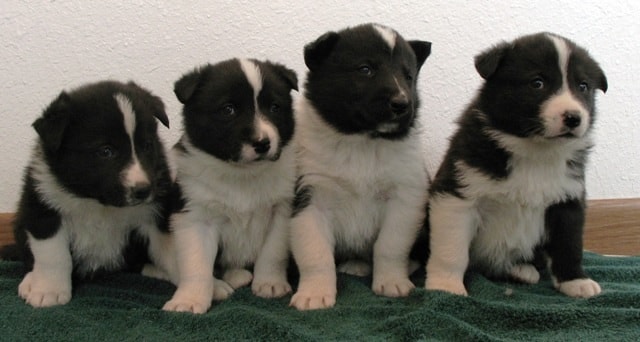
(236, 171)
(94, 191)
(362, 182)
(512, 183)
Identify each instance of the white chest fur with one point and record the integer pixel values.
(239, 202)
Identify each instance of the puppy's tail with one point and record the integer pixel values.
(11, 253)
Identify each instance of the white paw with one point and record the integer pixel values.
(579, 288)
(356, 268)
(42, 290)
(221, 289)
(392, 286)
(150, 270)
(453, 286)
(525, 273)
(194, 297)
(237, 277)
(270, 287)
(313, 294)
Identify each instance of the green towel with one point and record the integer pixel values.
(127, 307)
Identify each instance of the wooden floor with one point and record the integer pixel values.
(613, 227)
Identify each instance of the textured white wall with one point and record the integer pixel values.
(49, 46)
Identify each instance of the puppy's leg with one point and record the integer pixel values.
(402, 221)
(452, 227)
(564, 224)
(162, 254)
(358, 268)
(525, 273)
(196, 247)
(270, 270)
(237, 277)
(312, 245)
(49, 283)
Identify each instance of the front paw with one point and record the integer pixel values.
(392, 286)
(191, 297)
(41, 290)
(525, 273)
(579, 288)
(313, 295)
(453, 286)
(221, 289)
(270, 287)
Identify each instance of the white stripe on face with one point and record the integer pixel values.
(564, 100)
(387, 34)
(134, 174)
(262, 127)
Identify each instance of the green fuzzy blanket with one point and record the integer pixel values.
(127, 307)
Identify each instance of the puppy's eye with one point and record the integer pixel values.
(228, 110)
(365, 70)
(583, 86)
(106, 152)
(537, 83)
(275, 108)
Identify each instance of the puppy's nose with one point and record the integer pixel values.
(571, 119)
(141, 191)
(262, 146)
(399, 104)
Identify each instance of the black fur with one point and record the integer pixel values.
(351, 82)
(219, 121)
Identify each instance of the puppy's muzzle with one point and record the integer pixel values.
(139, 193)
(399, 105)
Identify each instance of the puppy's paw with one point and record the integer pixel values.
(579, 288)
(313, 295)
(525, 273)
(237, 277)
(221, 289)
(270, 287)
(193, 296)
(356, 268)
(150, 270)
(453, 286)
(392, 286)
(41, 290)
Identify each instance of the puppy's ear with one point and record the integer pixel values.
(602, 81)
(186, 86)
(287, 75)
(488, 61)
(316, 52)
(422, 50)
(154, 102)
(53, 122)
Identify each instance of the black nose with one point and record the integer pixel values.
(571, 119)
(141, 191)
(399, 104)
(262, 146)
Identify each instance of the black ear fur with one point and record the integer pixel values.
(287, 75)
(602, 81)
(422, 50)
(53, 122)
(488, 61)
(187, 85)
(316, 52)
(156, 103)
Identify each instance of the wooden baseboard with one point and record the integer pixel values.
(613, 227)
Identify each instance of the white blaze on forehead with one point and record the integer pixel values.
(253, 74)
(563, 100)
(387, 34)
(133, 174)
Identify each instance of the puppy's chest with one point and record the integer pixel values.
(98, 236)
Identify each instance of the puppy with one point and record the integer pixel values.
(94, 191)
(511, 187)
(236, 171)
(362, 182)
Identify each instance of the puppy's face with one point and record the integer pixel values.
(540, 85)
(101, 142)
(238, 110)
(363, 80)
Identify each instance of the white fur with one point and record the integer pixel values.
(368, 197)
(133, 174)
(241, 208)
(93, 233)
(387, 34)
